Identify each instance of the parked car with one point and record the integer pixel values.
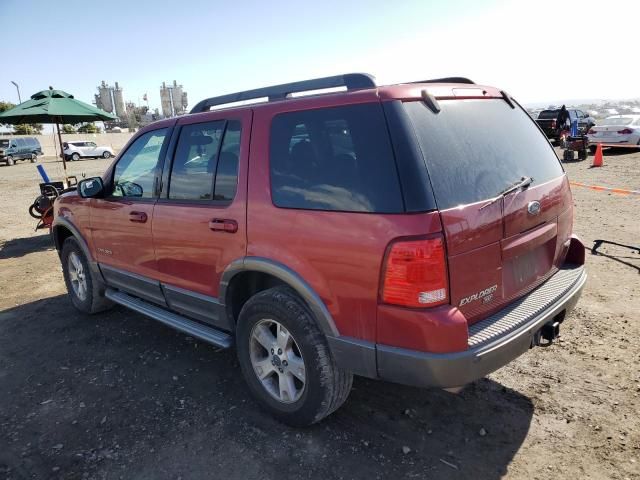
(19, 148)
(78, 150)
(618, 129)
(547, 120)
(382, 231)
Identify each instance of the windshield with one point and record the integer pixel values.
(4, 143)
(475, 149)
(615, 121)
(546, 114)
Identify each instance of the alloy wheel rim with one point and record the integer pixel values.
(77, 276)
(277, 361)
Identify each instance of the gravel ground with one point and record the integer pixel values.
(119, 396)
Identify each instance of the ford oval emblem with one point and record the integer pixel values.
(533, 208)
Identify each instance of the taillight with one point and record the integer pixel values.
(415, 273)
(553, 124)
(591, 131)
(625, 131)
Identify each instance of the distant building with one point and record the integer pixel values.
(173, 100)
(110, 99)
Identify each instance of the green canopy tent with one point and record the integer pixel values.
(54, 106)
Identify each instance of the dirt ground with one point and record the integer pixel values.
(118, 395)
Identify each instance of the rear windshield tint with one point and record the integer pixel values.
(474, 149)
(336, 159)
(547, 114)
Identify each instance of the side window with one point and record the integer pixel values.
(194, 163)
(226, 181)
(337, 159)
(136, 170)
(91, 144)
(20, 143)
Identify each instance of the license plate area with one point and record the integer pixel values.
(528, 268)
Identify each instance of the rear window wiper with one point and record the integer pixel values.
(521, 184)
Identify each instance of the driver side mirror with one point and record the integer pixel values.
(90, 187)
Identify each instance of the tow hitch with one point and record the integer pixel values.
(549, 332)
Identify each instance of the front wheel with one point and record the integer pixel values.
(10, 160)
(75, 157)
(286, 360)
(82, 286)
(34, 158)
(106, 155)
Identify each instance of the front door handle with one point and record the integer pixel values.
(138, 217)
(223, 225)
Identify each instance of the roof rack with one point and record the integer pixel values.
(447, 80)
(352, 81)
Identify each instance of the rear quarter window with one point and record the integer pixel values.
(474, 149)
(337, 159)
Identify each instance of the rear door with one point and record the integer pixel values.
(199, 223)
(498, 246)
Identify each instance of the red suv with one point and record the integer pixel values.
(332, 227)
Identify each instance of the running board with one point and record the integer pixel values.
(183, 324)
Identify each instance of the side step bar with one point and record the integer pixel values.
(183, 324)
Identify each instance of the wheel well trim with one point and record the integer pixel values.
(75, 232)
(289, 277)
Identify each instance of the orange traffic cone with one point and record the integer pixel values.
(597, 159)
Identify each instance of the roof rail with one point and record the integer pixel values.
(448, 80)
(352, 81)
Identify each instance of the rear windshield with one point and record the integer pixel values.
(546, 114)
(474, 149)
(615, 121)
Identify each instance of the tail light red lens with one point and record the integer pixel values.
(415, 274)
(591, 131)
(625, 131)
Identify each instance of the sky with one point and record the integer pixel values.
(538, 51)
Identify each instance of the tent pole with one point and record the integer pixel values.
(64, 163)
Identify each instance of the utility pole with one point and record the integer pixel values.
(18, 89)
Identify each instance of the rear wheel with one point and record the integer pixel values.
(82, 286)
(34, 158)
(75, 157)
(286, 361)
(592, 149)
(106, 155)
(10, 160)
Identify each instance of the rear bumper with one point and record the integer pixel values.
(493, 342)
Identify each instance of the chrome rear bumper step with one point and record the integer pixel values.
(190, 327)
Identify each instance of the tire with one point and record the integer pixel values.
(106, 155)
(592, 149)
(10, 160)
(34, 158)
(75, 268)
(568, 155)
(75, 157)
(325, 386)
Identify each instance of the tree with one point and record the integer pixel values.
(28, 129)
(66, 128)
(4, 106)
(88, 128)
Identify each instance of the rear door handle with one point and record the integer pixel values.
(139, 217)
(223, 225)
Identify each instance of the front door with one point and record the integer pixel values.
(121, 222)
(199, 220)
